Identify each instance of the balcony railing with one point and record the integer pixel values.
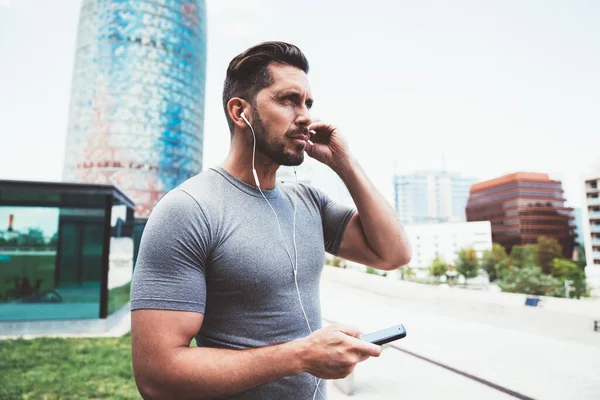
(594, 214)
(593, 202)
(590, 189)
(595, 228)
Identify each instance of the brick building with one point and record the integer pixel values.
(521, 207)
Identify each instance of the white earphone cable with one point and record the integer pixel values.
(294, 264)
(268, 202)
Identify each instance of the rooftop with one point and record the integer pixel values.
(514, 177)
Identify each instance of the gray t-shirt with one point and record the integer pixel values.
(213, 246)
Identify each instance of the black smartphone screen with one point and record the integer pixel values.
(386, 335)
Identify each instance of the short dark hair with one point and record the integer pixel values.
(248, 72)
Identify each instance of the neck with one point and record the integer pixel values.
(239, 164)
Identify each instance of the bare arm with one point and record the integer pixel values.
(165, 367)
(374, 235)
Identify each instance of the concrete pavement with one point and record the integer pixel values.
(522, 349)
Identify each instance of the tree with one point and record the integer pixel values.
(33, 238)
(336, 262)
(491, 259)
(406, 272)
(54, 240)
(467, 263)
(531, 280)
(547, 250)
(562, 268)
(566, 270)
(503, 267)
(438, 267)
(371, 270)
(581, 262)
(523, 256)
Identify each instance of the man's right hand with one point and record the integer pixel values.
(333, 352)
(165, 367)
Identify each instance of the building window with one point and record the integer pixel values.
(55, 248)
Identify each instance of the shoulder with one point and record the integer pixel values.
(188, 203)
(199, 192)
(175, 213)
(202, 187)
(177, 219)
(307, 192)
(315, 192)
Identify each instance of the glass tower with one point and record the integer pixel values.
(137, 103)
(426, 197)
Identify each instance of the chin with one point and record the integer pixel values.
(292, 160)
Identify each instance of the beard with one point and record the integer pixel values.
(275, 147)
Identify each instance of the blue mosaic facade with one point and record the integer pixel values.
(137, 104)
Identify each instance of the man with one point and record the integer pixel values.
(233, 264)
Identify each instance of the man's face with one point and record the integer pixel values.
(281, 115)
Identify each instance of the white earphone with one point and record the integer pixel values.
(294, 264)
(253, 152)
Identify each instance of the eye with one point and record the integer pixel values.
(291, 97)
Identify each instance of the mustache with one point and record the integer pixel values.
(303, 132)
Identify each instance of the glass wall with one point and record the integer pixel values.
(63, 262)
(120, 264)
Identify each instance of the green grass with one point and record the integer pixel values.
(49, 368)
(117, 297)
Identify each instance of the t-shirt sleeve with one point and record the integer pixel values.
(170, 269)
(335, 218)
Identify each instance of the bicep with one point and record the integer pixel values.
(354, 246)
(157, 336)
(170, 268)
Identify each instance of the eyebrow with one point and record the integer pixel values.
(287, 92)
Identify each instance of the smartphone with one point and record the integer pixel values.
(386, 335)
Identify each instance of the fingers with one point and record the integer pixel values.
(366, 348)
(309, 148)
(348, 330)
(362, 347)
(320, 126)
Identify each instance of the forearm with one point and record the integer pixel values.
(382, 229)
(201, 373)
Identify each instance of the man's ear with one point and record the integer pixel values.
(235, 107)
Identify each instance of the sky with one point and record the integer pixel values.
(482, 88)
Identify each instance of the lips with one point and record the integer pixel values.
(300, 137)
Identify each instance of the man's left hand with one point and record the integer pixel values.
(328, 146)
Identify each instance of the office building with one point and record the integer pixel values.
(522, 207)
(431, 197)
(137, 103)
(445, 240)
(578, 220)
(591, 219)
(318, 175)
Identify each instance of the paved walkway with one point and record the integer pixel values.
(531, 351)
(394, 375)
(498, 347)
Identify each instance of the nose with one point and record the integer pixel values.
(303, 118)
